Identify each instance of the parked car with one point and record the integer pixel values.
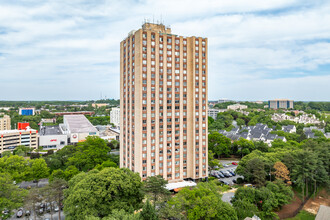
(224, 182)
(221, 175)
(225, 165)
(56, 209)
(234, 163)
(27, 213)
(226, 174)
(19, 213)
(249, 185)
(232, 172)
(41, 211)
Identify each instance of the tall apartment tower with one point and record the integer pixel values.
(163, 104)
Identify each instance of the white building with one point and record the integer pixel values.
(52, 138)
(77, 128)
(236, 107)
(213, 113)
(115, 116)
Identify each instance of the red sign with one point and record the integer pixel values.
(52, 140)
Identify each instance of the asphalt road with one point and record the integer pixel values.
(226, 197)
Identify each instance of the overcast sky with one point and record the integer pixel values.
(258, 49)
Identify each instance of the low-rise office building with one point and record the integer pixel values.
(5, 123)
(280, 103)
(10, 139)
(52, 137)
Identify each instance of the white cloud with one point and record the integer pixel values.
(50, 44)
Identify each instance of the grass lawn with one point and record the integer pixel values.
(303, 215)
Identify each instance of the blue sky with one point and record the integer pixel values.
(258, 49)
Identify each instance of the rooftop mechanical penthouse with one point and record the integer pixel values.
(163, 93)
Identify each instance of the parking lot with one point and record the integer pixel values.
(227, 165)
(42, 217)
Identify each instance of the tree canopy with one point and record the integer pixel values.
(98, 193)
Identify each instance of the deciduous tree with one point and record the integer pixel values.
(116, 188)
(11, 197)
(155, 187)
(282, 172)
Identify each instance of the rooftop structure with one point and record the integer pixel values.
(78, 124)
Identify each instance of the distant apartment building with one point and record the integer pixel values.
(163, 104)
(280, 103)
(5, 122)
(26, 111)
(236, 107)
(10, 139)
(213, 113)
(115, 116)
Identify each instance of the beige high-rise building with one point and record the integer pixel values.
(163, 104)
(5, 122)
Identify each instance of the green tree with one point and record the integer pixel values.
(16, 166)
(70, 172)
(122, 215)
(89, 153)
(219, 144)
(39, 169)
(60, 159)
(213, 162)
(201, 202)
(240, 122)
(32, 200)
(305, 164)
(59, 174)
(6, 153)
(11, 197)
(243, 147)
(155, 187)
(25, 150)
(116, 188)
(57, 187)
(148, 212)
